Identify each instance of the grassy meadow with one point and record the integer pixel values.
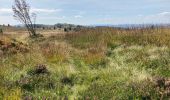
(90, 64)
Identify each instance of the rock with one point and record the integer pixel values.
(67, 80)
(163, 85)
(167, 83)
(1, 53)
(159, 82)
(41, 69)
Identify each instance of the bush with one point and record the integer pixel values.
(1, 31)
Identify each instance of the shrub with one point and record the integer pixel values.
(1, 31)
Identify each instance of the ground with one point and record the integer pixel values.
(91, 64)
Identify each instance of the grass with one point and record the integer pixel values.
(97, 63)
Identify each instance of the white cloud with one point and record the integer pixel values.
(78, 16)
(5, 10)
(45, 10)
(39, 10)
(8, 20)
(164, 14)
(52, 18)
(162, 17)
(6, 14)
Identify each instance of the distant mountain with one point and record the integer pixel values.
(132, 25)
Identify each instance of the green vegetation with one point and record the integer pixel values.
(1, 31)
(91, 64)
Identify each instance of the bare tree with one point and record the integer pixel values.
(21, 11)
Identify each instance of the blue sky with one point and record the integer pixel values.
(90, 12)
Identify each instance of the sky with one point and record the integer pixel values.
(92, 12)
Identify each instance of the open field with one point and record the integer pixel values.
(91, 64)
